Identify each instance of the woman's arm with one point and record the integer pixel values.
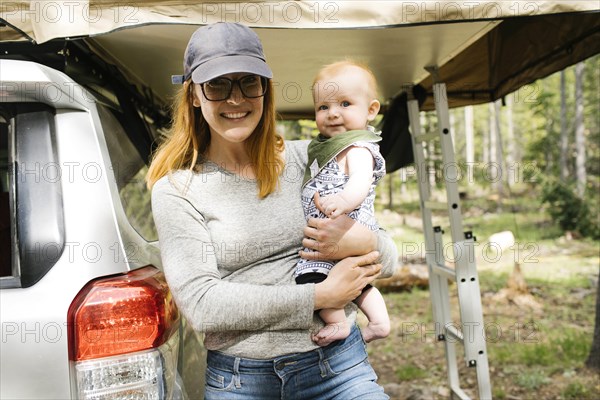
(335, 239)
(209, 302)
(346, 280)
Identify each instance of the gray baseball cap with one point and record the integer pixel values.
(222, 48)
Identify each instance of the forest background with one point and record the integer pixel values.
(529, 166)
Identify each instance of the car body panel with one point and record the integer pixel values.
(99, 240)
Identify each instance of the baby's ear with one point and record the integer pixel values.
(374, 107)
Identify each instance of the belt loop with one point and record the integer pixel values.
(236, 373)
(322, 361)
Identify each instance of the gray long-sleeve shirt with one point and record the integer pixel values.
(229, 258)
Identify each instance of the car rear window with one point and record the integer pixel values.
(130, 170)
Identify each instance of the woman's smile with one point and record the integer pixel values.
(235, 115)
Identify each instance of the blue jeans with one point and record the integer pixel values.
(339, 371)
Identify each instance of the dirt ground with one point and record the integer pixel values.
(411, 362)
(412, 343)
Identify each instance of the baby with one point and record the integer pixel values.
(344, 165)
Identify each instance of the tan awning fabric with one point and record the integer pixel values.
(44, 20)
(517, 52)
(484, 49)
(396, 55)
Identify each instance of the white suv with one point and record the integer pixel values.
(85, 311)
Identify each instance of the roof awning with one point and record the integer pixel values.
(484, 49)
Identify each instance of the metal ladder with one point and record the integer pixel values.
(470, 330)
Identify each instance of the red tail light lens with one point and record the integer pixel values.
(121, 314)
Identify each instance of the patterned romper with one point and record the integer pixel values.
(329, 179)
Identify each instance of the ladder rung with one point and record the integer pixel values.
(460, 393)
(425, 137)
(444, 271)
(455, 333)
(436, 205)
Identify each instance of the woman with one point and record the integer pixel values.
(230, 223)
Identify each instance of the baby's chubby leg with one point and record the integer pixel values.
(372, 304)
(336, 327)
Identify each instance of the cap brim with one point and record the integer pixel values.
(229, 65)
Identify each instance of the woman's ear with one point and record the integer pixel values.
(196, 101)
(374, 107)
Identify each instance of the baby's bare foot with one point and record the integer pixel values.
(376, 330)
(330, 333)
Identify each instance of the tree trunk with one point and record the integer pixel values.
(469, 143)
(511, 157)
(495, 170)
(402, 173)
(593, 360)
(493, 136)
(564, 135)
(501, 166)
(550, 144)
(485, 155)
(579, 130)
(391, 192)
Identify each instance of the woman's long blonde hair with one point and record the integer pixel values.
(189, 138)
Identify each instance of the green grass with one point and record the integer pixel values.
(410, 372)
(531, 227)
(498, 393)
(523, 215)
(575, 391)
(538, 354)
(531, 380)
(407, 239)
(491, 281)
(402, 206)
(568, 266)
(573, 346)
(386, 348)
(540, 343)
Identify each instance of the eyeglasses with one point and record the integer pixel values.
(218, 89)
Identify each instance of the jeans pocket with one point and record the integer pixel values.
(218, 379)
(341, 362)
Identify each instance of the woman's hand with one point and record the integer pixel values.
(346, 281)
(335, 239)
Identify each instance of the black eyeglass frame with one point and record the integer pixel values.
(263, 82)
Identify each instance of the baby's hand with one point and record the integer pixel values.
(335, 205)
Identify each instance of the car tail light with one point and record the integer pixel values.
(122, 337)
